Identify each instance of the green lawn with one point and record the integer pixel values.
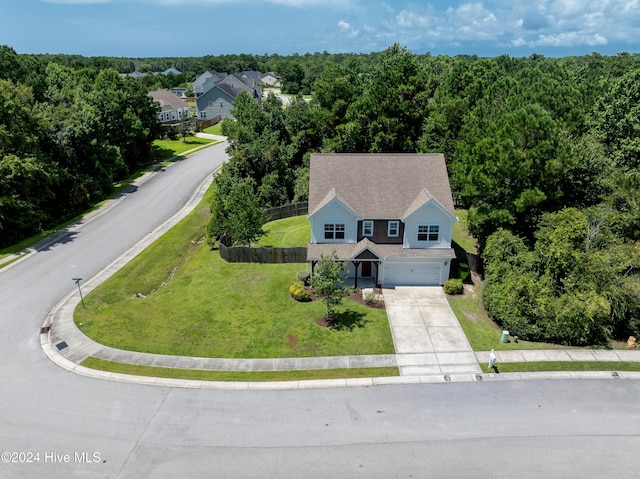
(160, 372)
(214, 129)
(562, 366)
(165, 149)
(287, 232)
(461, 235)
(196, 304)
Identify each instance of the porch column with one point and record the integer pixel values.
(356, 264)
(377, 263)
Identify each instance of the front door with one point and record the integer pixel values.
(366, 269)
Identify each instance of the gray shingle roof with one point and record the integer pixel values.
(165, 97)
(346, 251)
(379, 186)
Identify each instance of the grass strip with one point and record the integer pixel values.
(563, 366)
(154, 371)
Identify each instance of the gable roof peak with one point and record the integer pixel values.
(380, 185)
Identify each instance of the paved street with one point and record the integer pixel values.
(58, 424)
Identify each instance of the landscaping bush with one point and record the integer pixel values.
(298, 291)
(453, 286)
(304, 276)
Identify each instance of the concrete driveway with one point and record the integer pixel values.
(426, 333)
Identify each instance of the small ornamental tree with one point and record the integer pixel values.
(328, 282)
(186, 125)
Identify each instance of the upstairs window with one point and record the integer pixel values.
(367, 228)
(394, 227)
(334, 231)
(428, 232)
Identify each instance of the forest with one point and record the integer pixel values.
(542, 152)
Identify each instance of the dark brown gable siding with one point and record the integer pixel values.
(380, 230)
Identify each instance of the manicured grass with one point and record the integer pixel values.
(563, 366)
(214, 129)
(166, 149)
(286, 233)
(461, 235)
(159, 372)
(196, 304)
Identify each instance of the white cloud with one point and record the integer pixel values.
(520, 23)
(407, 19)
(346, 28)
(569, 39)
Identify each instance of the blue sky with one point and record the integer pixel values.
(154, 28)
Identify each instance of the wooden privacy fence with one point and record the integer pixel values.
(475, 263)
(244, 254)
(286, 211)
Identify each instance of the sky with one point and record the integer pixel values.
(163, 28)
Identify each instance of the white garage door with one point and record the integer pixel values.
(404, 273)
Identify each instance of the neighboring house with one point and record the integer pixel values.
(389, 216)
(178, 91)
(171, 71)
(270, 79)
(136, 75)
(172, 108)
(199, 86)
(254, 75)
(244, 82)
(216, 102)
(213, 81)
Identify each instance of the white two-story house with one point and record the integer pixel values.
(389, 216)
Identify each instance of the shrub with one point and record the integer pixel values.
(298, 291)
(453, 286)
(304, 276)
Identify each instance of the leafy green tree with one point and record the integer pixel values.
(328, 282)
(617, 120)
(560, 246)
(235, 215)
(388, 115)
(514, 173)
(26, 188)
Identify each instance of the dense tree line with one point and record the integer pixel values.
(543, 152)
(298, 72)
(66, 135)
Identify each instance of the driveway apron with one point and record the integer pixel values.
(426, 333)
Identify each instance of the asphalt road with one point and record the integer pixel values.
(55, 424)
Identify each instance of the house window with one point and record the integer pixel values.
(367, 228)
(334, 231)
(394, 226)
(221, 104)
(428, 232)
(203, 114)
